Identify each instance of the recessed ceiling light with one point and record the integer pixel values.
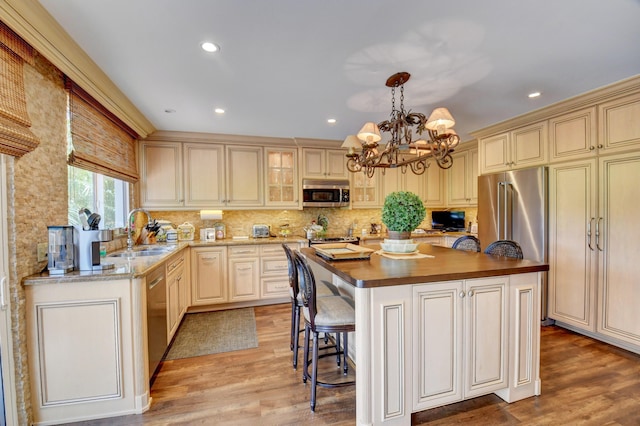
(210, 47)
(169, 111)
(219, 111)
(534, 94)
(331, 121)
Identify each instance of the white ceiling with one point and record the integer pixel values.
(286, 66)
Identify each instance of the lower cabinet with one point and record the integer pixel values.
(209, 275)
(244, 273)
(239, 273)
(274, 271)
(177, 292)
(460, 340)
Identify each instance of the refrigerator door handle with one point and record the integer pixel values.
(502, 210)
(589, 233)
(598, 234)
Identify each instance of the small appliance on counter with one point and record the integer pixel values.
(260, 231)
(61, 249)
(87, 249)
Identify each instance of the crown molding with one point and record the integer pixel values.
(38, 28)
(588, 99)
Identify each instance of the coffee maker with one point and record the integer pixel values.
(87, 245)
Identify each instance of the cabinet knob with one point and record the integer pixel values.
(471, 293)
(462, 294)
(591, 148)
(600, 146)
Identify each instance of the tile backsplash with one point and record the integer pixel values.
(239, 222)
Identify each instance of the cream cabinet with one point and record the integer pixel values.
(244, 176)
(274, 271)
(244, 273)
(462, 179)
(161, 183)
(281, 183)
(460, 335)
(177, 175)
(87, 348)
(209, 275)
(618, 247)
(366, 191)
(573, 255)
(319, 163)
(619, 124)
(204, 175)
(516, 149)
(573, 136)
(177, 273)
(593, 256)
(429, 186)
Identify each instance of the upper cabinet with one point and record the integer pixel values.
(161, 183)
(204, 177)
(516, 149)
(573, 136)
(429, 186)
(319, 163)
(620, 124)
(281, 183)
(244, 176)
(366, 191)
(462, 179)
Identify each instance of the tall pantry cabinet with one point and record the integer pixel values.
(593, 227)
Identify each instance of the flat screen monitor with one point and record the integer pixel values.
(448, 220)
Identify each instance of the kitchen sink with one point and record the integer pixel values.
(146, 251)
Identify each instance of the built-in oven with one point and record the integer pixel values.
(325, 192)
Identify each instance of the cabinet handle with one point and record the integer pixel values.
(462, 294)
(589, 233)
(598, 233)
(591, 148)
(600, 146)
(471, 293)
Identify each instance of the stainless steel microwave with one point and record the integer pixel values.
(325, 192)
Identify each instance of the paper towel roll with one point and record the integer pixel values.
(210, 214)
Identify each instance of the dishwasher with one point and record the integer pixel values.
(156, 318)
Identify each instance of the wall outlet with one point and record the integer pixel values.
(42, 251)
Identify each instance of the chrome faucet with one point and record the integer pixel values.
(129, 216)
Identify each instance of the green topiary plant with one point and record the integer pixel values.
(402, 211)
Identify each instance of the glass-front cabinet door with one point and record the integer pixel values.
(282, 177)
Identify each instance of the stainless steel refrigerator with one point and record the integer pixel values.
(513, 206)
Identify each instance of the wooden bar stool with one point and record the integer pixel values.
(323, 315)
(324, 289)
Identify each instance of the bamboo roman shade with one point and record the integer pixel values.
(15, 136)
(100, 142)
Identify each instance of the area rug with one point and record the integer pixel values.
(214, 332)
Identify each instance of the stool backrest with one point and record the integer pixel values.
(505, 248)
(467, 243)
(307, 287)
(293, 272)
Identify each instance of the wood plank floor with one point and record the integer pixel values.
(584, 382)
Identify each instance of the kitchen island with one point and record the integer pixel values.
(440, 327)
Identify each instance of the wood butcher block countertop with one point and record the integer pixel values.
(446, 265)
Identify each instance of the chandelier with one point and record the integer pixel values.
(401, 150)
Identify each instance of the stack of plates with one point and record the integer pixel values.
(399, 246)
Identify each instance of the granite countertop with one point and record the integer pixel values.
(417, 235)
(137, 267)
(442, 264)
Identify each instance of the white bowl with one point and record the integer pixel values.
(389, 241)
(399, 247)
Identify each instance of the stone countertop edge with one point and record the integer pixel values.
(136, 268)
(418, 235)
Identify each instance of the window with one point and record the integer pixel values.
(107, 196)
